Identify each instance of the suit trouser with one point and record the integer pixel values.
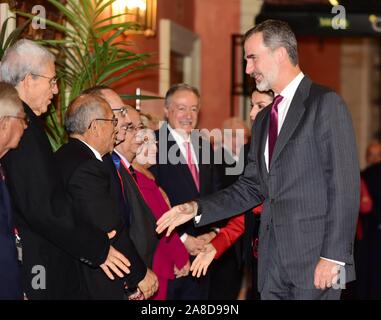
(278, 285)
(188, 288)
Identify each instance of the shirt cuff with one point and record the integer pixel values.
(197, 219)
(184, 237)
(335, 261)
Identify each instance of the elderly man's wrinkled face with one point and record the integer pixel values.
(41, 88)
(13, 131)
(132, 142)
(182, 113)
(120, 111)
(107, 131)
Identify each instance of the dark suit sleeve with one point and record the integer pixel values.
(235, 199)
(39, 201)
(89, 189)
(337, 148)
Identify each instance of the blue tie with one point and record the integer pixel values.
(116, 160)
(123, 203)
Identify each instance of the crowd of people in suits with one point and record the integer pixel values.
(85, 215)
(85, 222)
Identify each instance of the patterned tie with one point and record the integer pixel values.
(116, 160)
(273, 129)
(192, 167)
(123, 203)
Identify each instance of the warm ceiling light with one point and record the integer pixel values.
(142, 12)
(334, 2)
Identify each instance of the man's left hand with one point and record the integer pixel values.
(325, 274)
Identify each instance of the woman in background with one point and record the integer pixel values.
(171, 259)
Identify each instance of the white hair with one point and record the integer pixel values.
(10, 103)
(24, 57)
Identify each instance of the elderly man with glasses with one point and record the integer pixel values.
(91, 126)
(131, 205)
(12, 126)
(50, 242)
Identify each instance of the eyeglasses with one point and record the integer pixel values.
(123, 110)
(130, 127)
(25, 118)
(52, 81)
(113, 120)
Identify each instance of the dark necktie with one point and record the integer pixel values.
(123, 203)
(132, 171)
(273, 128)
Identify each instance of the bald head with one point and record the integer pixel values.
(82, 111)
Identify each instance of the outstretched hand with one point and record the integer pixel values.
(203, 260)
(176, 216)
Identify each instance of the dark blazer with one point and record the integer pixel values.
(177, 182)
(311, 194)
(176, 179)
(10, 277)
(48, 235)
(89, 191)
(142, 223)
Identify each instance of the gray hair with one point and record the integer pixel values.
(179, 87)
(10, 103)
(82, 111)
(24, 57)
(276, 34)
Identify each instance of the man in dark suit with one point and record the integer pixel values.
(140, 218)
(89, 190)
(303, 164)
(185, 170)
(50, 241)
(13, 121)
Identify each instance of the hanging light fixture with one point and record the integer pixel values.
(142, 12)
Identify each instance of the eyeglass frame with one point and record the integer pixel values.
(25, 118)
(114, 121)
(52, 81)
(130, 127)
(123, 110)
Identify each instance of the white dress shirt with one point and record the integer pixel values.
(287, 94)
(96, 153)
(180, 142)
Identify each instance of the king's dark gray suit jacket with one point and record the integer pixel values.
(311, 192)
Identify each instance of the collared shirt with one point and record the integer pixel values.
(128, 164)
(96, 153)
(288, 94)
(180, 142)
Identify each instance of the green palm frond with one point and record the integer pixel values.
(91, 53)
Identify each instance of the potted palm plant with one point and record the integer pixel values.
(91, 52)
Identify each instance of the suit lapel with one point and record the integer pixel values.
(292, 120)
(263, 129)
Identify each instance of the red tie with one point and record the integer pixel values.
(273, 129)
(192, 167)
